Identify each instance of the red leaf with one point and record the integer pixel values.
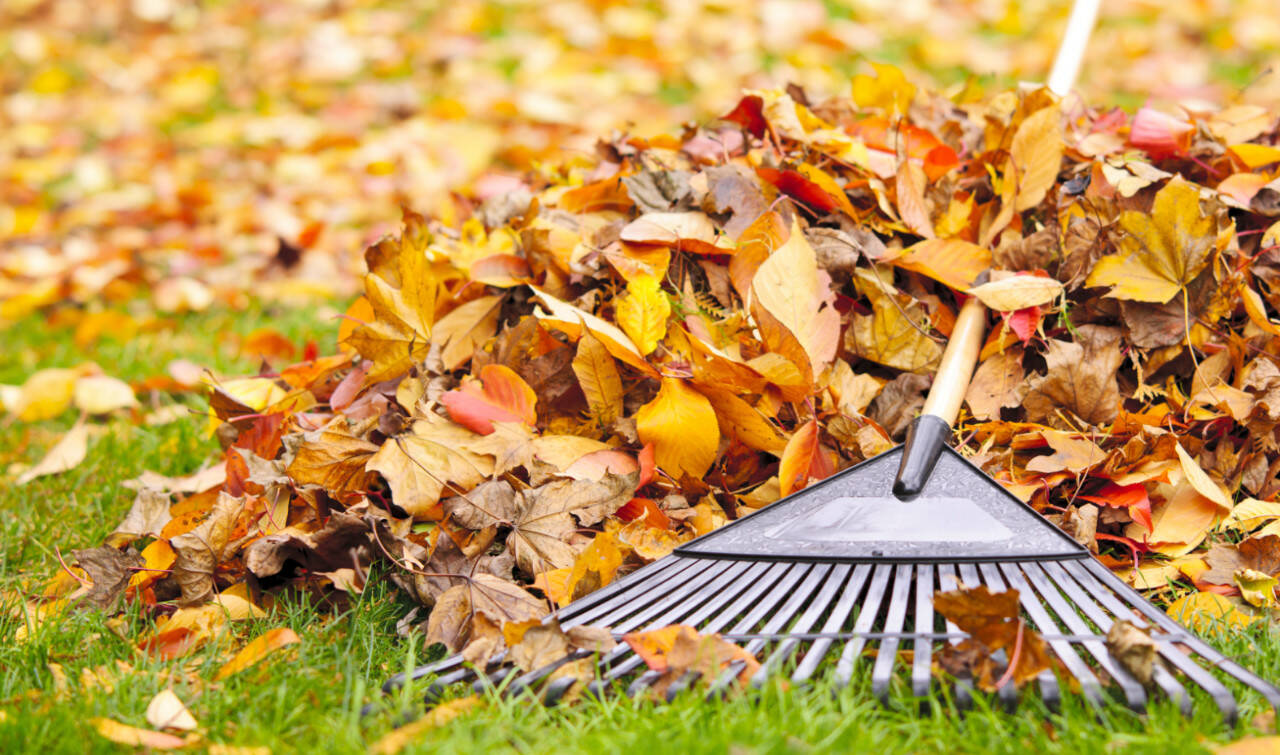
(803, 459)
(648, 464)
(1023, 322)
(646, 510)
(1160, 134)
(499, 395)
(749, 114)
(798, 187)
(1133, 497)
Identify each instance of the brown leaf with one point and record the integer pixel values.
(899, 402)
(200, 551)
(998, 383)
(995, 623)
(110, 571)
(541, 524)
(333, 458)
(498, 599)
(1133, 649)
(1081, 379)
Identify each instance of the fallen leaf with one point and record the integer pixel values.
(65, 455)
(682, 426)
(789, 286)
(1133, 649)
(131, 736)
(166, 711)
(256, 650)
(397, 739)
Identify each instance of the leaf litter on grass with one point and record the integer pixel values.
(647, 345)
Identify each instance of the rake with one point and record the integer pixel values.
(843, 573)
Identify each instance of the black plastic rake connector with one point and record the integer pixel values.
(819, 581)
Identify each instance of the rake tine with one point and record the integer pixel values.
(642, 682)
(1098, 615)
(1008, 694)
(1134, 694)
(1107, 593)
(397, 681)
(947, 580)
(1220, 661)
(835, 621)
(866, 619)
(720, 687)
(812, 581)
(438, 687)
(1089, 683)
(832, 582)
(556, 689)
(886, 654)
(654, 573)
(527, 680)
(686, 681)
(652, 596)
(922, 648)
(755, 587)
(492, 681)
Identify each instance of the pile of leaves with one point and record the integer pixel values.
(680, 330)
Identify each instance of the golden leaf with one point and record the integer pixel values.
(682, 426)
(599, 379)
(891, 334)
(789, 286)
(1035, 156)
(1159, 253)
(256, 650)
(643, 313)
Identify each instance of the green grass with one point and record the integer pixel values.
(308, 697)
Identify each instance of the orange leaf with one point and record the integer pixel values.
(803, 459)
(132, 736)
(257, 650)
(500, 395)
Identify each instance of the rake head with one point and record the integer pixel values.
(818, 580)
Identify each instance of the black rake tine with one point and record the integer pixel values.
(1105, 593)
(922, 648)
(438, 667)
(1217, 659)
(866, 619)
(820, 604)
(886, 655)
(1008, 693)
(1098, 615)
(839, 615)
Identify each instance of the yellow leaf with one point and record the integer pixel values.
(166, 711)
(1250, 746)
(466, 328)
(1205, 612)
(599, 379)
(1201, 481)
(1180, 524)
(397, 739)
(1252, 513)
(573, 321)
(909, 187)
(887, 335)
(1255, 156)
(131, 736)
(1035, 156)
(101, 394)
(1017, 292)
(790, 287)
(889, 90)
(66, 454)
(643, 313)
(1258, 588)
(743, 421)
(1159, 253)
(257, 650)
(45, 394)
(681, 425)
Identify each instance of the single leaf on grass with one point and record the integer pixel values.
(166, 711)
(256, 650)
(1257, 588)
(65, 455)
(102, 394)
(397, 739)
(791, 288)
(599, 379)
(1159, 253)
(682, 426)
(132, 736)
(109, 570)
(642, 312)
(499, 395)
(804, 459)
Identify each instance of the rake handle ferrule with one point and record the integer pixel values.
(929, 431)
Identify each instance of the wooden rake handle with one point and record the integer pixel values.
(929, 432)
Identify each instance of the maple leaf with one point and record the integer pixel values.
(1081, 379)
(995, 623)
(484, 594)
(1159, 254)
